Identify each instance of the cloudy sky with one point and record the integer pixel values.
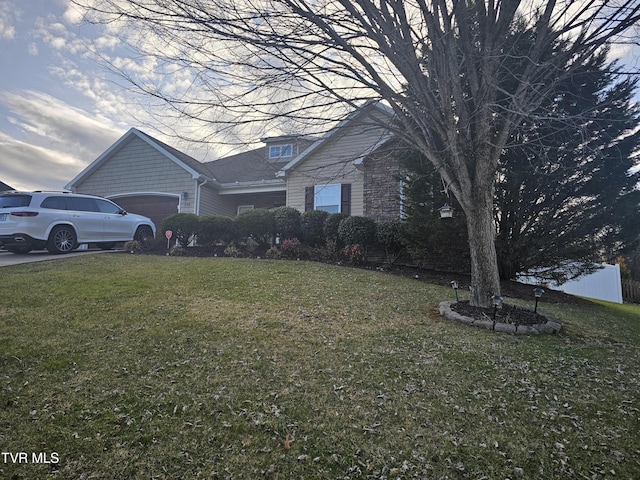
(60, 109)
(57, 111)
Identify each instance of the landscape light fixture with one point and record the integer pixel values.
(497, 303)
(454, 285)
(446, 211)
(538, 293)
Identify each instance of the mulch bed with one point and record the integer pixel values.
(509, 288)
(506, 314)
(510, 314)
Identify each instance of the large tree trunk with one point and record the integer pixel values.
(485, 278)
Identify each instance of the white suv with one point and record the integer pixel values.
(60, 222)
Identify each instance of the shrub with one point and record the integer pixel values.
(331, 224)
(132, 246)
(328, 253)
(273, 253)
(214, 229)
(184, 226)
(389, 235)
(291, 248)
(286, 222)
(353, 254)
(257, 224)
(357, 230)
(252, 246)
(232, 251)
(312, 226)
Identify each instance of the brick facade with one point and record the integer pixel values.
(382, 201)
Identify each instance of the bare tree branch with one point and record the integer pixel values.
(436, 63)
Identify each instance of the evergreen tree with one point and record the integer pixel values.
(565, 195)
(433, 243)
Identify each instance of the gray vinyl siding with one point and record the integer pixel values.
(333, 164)
(297, 184)
(138, 167)
(213, 204)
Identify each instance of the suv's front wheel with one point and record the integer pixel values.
(143, 234)
(62, 239)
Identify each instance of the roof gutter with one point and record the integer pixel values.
(252, 187)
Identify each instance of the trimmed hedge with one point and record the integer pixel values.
(287, 222)
(215, 229)
(184, 226)
(258, 224)
(357, 231)
(329, 234)
(312, 223)
(390, 236)
(331, 225)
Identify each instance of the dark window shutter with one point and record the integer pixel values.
(345, 198)
(309, 197)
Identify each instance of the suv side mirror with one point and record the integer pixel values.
(122, 212)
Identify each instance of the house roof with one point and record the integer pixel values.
(254, 165)
(251, 166)
(246, 168)
(377, 106)
(4, 186)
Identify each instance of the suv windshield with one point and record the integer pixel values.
(10, 201)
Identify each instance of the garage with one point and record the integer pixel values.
(156, 207)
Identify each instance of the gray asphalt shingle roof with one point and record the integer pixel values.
(249, 166)
(4, 186)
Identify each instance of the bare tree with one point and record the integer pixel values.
(435, 63)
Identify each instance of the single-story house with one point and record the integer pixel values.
(4, 187)
(351, 169)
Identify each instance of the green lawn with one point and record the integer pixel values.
(126, 366)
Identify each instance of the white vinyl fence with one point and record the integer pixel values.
(603, 284)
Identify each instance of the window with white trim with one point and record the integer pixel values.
(281, 151)
(244, 208)
(332, 198)
(327, 198)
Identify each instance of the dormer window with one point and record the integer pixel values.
(281, 151)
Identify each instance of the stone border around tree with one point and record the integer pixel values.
(552, 325)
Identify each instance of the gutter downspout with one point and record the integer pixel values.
(198, 187)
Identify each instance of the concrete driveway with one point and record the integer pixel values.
(8, 258)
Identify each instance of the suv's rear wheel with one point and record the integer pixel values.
(62, 239)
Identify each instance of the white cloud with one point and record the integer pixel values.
(73, 15)
(107, 42)
(7, 30)
(29, 167)
(53, 141)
